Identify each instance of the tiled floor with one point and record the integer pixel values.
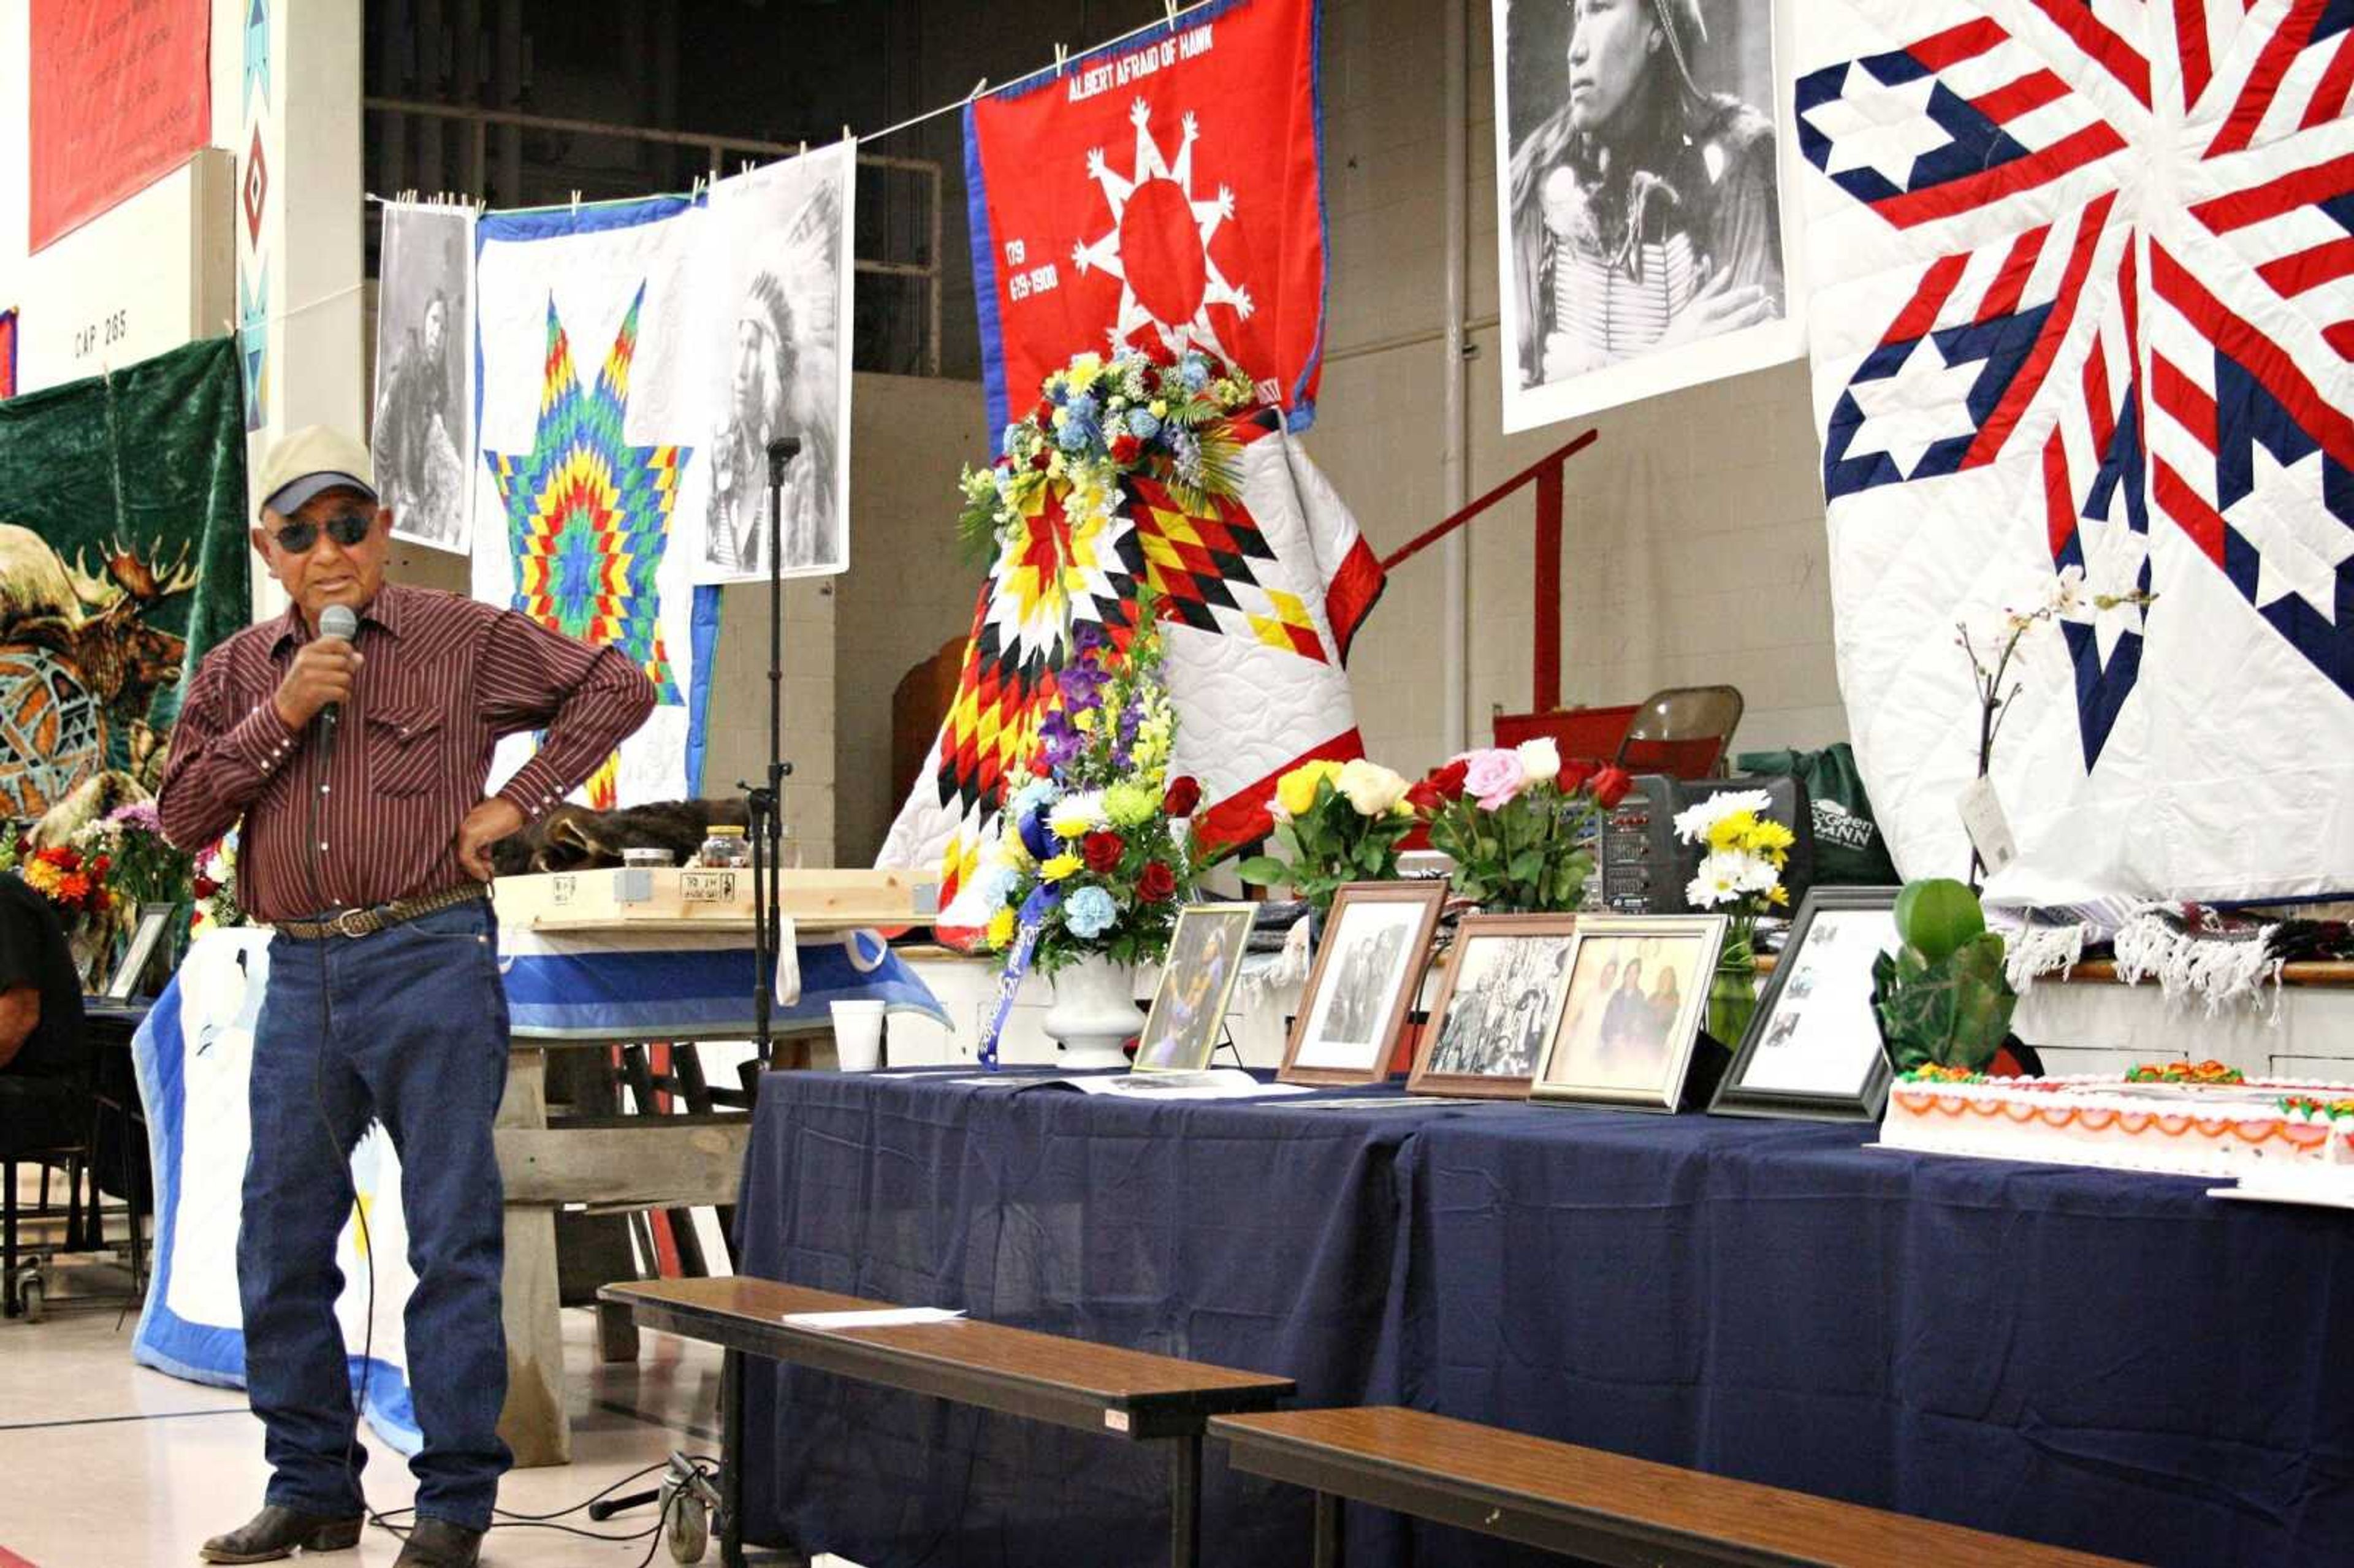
(107, 1464)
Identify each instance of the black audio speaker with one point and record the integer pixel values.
(1645, 870)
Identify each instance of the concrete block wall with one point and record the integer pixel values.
(1695, 551)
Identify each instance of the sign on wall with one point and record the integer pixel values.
(1640, 200)
(120, 95)
(1166, 189)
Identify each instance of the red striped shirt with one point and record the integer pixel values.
(443, 679)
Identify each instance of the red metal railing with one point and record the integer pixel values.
(1545, 473)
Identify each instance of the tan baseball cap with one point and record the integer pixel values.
(307, 463)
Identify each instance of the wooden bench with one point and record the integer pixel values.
(1583, 1503)
(1040, 1377)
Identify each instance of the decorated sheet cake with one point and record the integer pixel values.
(2201, 1120)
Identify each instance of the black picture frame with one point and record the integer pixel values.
(1796, 982)
(146, 939)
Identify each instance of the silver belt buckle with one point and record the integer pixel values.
(349, 923)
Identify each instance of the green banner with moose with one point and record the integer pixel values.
(122, 560)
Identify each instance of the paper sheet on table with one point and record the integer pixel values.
(879, 1318)
(1218, 1084)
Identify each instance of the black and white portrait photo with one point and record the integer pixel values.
(423, 434)
(1368, 967)
(1641, 199)
(783, 270)
(1505, 985)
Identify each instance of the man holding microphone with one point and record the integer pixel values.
(353, 735)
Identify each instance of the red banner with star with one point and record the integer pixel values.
(120, 98)
(1164, 189)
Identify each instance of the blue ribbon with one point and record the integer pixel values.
(1009, 986)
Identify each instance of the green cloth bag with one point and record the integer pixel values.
(1849, 851)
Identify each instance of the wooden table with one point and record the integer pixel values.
(624, 1162)
(1585, 1503)
(1070, 1383)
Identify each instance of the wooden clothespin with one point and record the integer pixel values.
(1172, 7)
(1062, 57)
(846, 135)
(978, 89)
(804, 152)
(575, 204)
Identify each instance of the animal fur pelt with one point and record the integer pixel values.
(573, 838)
(94, 797)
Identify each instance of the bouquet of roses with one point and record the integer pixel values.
(1100, 422)
(1516, 822)
(1338, 823)
(214, 887)
(1090, 851)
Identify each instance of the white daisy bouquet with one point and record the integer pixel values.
(1741, 868)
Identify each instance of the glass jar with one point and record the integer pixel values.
(727, 848)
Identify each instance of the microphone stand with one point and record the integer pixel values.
(764, 808)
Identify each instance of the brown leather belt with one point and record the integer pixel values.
(384, 917)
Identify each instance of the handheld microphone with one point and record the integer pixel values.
(336, 622)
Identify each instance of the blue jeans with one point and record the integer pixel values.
(414, 1035)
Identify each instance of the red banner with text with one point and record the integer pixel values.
(121, 96)
(1164, 189)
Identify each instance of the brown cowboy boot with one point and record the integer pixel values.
(277, 1532)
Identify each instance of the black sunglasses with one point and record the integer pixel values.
(346, 529)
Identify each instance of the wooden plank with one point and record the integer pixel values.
(1073, 1382)
(693, 1163)
(1604, 1507)
(533, 1422)
(668, 898)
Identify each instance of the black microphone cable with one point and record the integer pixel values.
(501, 1519)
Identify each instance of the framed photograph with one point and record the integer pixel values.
(1376, 943)
(1505, 982)
(1812, 1050)
(145, 938)
(1206, 959)
(423, 433)
(1641, 198)
(1637, 994)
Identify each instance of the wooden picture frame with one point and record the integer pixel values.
(1455, 1039)
(1622, 1040)
(1812, 1049)
(1376, 947)
(1197, 982)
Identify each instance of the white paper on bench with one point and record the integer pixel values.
(884, 1317)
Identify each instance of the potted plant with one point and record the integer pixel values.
(1517, 824)
(1943, 999)
(1091, 863)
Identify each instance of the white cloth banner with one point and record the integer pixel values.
(2080, 300)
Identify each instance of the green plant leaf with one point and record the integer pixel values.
(1264, 871)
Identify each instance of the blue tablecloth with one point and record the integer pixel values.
(2106, 1360)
